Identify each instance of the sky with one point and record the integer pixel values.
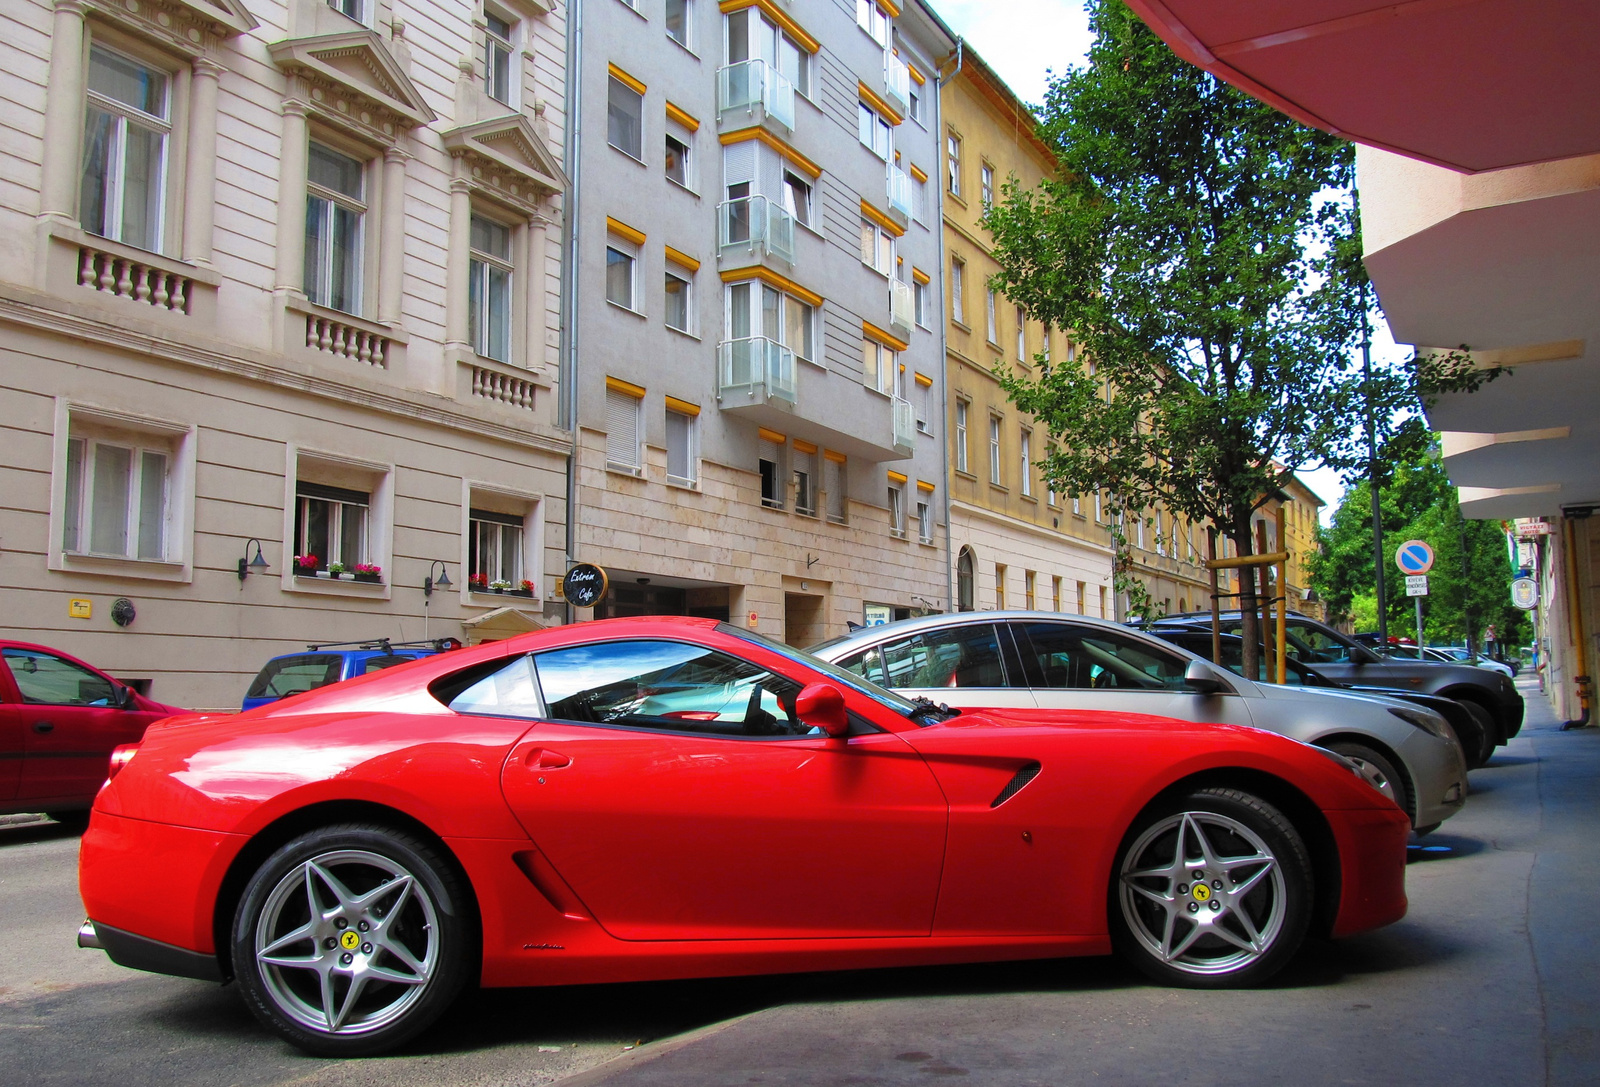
(1023, 40)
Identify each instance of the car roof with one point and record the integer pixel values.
(944, 620)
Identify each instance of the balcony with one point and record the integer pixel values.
(754, 223)
(905, 426)
(902, 194)
(902, 307)
(752, 83)
(897, 81)
(754, 371)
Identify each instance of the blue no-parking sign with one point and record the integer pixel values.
(1414, 557)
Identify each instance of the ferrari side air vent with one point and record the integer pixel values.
(1025, 774)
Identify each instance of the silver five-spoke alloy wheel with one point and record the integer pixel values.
(346, 942)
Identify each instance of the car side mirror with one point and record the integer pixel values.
(1200, 678)
(821, 705)
(123, 698)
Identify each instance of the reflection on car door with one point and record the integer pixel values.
(1087, 667)
(675, 815)
(70, 724)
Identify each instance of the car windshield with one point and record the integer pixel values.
(886, 698)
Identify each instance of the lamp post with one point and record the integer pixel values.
(255, 565)
(429, 584)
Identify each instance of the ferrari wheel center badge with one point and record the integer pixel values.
(1201, 892)
(349, 939)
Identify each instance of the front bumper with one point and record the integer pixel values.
(1372, 868)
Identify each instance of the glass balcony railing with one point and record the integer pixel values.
(905, 423)
(759, 368)
(752, 83)
(901, 192)
(902, 304)
(755, 221)
(897, 80)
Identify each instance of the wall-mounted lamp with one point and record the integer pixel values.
(431, 583)
(257, 564)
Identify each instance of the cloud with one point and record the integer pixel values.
(1022, 39)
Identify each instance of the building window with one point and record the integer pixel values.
(622, 428)
(914, 106)
(125, 150)
(952, 156)
(920, 204)
(834, 484)
(683, 447)
(622, 264)
(919, 302)
(958, 290)
(330, 523)
(994, 328)
(961, 435)
(925, 518)
(1026, 467)
(880, 367)
(676, 160)
(757, 311)
(355, 9)
(1099, 510)
(494, 547)
(799, 328)
(679, 309)
(497, 59)
(797, 197)
(1081, 588)
(877, 247)
(875, 132)
(897, 510)
(874, 20)
(999, 586)
(1029, 583)
(1022, 335)
(117, 499)
(1103, 614)
(994, 449)
(335, 209)
(770, 464)
(489, 289)
(966, 577)
(987, 182)
(1055, 593)
(750, 34)
(804, 463)
(625, 118)
(1044, 345)
(679, 19)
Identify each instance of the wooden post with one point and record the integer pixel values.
(1264, 599)
(1283, 599)
(1216, 609)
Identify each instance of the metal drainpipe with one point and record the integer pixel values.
(944, 331)
(568, 346)
(1569, 536)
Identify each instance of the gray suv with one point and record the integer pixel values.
(1342, 659)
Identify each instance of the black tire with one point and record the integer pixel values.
(77, 819)
(1488, 734)
(1391, 780)
(1237, 925)
(387, 964)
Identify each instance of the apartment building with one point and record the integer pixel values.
(280, 295)
(1017, 542)
(756, 353)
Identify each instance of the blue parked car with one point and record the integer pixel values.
(320, 665)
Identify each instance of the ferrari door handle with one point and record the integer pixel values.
(544, 759)
(43, 726)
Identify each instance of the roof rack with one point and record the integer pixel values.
(442, 645)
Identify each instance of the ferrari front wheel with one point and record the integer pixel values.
(1211, 891)
(349, 940)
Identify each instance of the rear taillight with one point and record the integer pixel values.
(121, 755)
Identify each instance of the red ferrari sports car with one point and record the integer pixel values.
(641, 799)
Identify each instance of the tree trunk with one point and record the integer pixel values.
(1249, 609)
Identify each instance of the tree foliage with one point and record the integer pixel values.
(1469, 586)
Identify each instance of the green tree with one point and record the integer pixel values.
(1469, 586)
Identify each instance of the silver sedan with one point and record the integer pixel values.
(1053, 661)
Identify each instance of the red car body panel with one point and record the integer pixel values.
(597, 853)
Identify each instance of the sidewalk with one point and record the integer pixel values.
(1492, 977)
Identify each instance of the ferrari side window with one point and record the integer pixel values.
(508, 692)
(670, 686)
(48, 680)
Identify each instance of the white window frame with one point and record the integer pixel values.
(803, 470)
(993, 334)
(925, 516)
(1025, 456)
(919, 302)
(612, 84)
(691, 452)
(493, 43)
(481, 268)
(347, 472)
(497, 498)
(687, 41)
(952, 152)
(880, 367)
(958, 290)
(684, 139)
(319, 289)
(1022, 335)
(686, 276)
(874, 21)
(883, 247)
(124, 115)
(914, 103)
(920, 202)
(996, 465)
(986, 186)
(618, 404)
(630, 251)
(874, 131)
(758, 323)
(963, 407)
(897, 510)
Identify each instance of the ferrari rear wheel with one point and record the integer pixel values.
(1212, 891)
(351, 939)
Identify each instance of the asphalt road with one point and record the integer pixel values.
(1490, 979)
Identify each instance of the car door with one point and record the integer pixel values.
(12, 729)
(70, 722)
(1083, 666)
(965, 664)
(676, 792)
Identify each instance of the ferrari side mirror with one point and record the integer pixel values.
(821, 705)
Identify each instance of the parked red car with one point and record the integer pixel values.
(638, 799)
(59, 720)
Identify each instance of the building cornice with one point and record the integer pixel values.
(1005, 520)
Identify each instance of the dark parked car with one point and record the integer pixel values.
(320, 665)
(59, 720)
(1341, 658)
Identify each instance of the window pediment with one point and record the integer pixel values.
(181, 25)
(509, 157)
(354, 77)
